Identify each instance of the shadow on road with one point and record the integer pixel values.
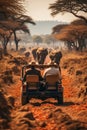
(36, 103)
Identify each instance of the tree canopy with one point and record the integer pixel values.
(37, 39)
(57, 28)
(73, 34)
(12, 18)
(74, 7)
(11, 7)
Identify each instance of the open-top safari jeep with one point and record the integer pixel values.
(31, 88)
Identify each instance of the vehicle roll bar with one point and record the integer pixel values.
(40, 66)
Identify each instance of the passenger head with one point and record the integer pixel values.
(51, 63)
(32, 64)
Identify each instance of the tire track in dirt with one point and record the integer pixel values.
(41, 109)
(14, 90)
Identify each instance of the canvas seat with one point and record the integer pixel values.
(51, 82)
(32, 82)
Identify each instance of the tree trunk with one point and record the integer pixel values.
(69, 45)
(4, 48)
(16, 46)
(81, 44)
(16, 40)
(80, 17)
(5, 42)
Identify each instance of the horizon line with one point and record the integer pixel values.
(50, 20)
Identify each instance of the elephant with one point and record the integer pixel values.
(34, 50)
(27, 54)
(55, 56)
(41, 55)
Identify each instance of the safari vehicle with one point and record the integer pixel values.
(31, 88)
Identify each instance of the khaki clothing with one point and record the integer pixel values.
(33, 72)
(52, 71)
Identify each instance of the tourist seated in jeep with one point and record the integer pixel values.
(52, 71)
(34, 71)
(33, 85)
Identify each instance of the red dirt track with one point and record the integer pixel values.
(44, 110)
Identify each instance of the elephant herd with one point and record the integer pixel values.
(39, 55)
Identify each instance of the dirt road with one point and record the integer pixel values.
(46, 114)
(41, 110)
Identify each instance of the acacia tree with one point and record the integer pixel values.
(12, 18)
(80, 33)
(5, 36)
(16, 26)
(37, 39)
(71, 6)
(73, 33)
(83, 31)
(57, 28)
(49, 39)
(8, 9)
(66, 37)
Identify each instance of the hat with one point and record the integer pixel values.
(51, 63)
(32, 63)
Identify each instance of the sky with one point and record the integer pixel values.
(38, 10)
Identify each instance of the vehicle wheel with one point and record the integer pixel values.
(23, 98)
(60, 99)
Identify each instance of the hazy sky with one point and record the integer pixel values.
(38, 10)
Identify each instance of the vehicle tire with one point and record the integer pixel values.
(23, 99)
(60, 99)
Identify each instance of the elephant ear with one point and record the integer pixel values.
(39, 50)
(59, 54)
(51, 57)
(32, 62)
(46, 51)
